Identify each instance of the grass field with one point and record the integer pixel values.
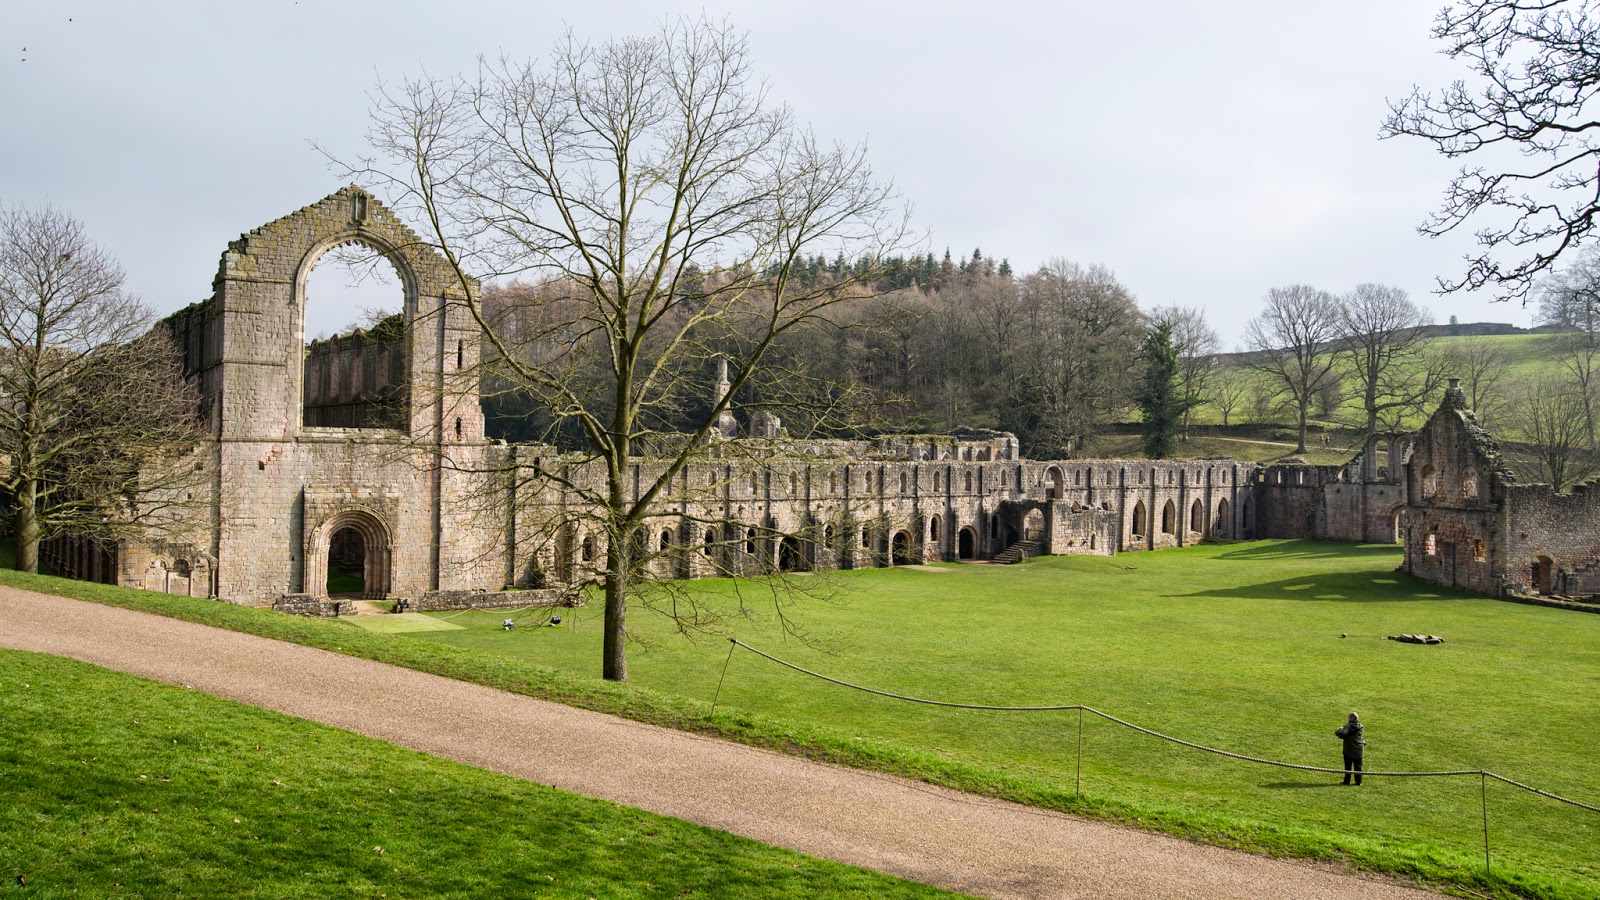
(1237, 647)
(1234, 646)
(112, 785)
(1525, 355)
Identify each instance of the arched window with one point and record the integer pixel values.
(1469, 484)
(710, 541)
(586, 553)
(1430, 482)
(966, 483)
(794, 485)
(1139, 515)
(1197, 517)
(938, 481)
(933, 529)
(666, 540)
(750, 542)
(1169, 515)
(902, 482)
(1430, 543)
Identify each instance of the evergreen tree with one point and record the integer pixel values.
(1161, 401)
(1005, 268)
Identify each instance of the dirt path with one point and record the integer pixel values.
(942, 837)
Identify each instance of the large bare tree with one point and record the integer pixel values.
(1292, 343)
(1383, 340)
(1548, 423)
(666, 206)
(1528, 96)
(95, 417)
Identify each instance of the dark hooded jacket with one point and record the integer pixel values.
(1354, 742)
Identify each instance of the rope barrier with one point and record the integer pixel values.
(1481, 773)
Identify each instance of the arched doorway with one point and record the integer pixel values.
(790, 558)
(1543, 575)
(1033, 526)
(1053, 480)
(1169, 515)
(347, 562)
(1398, 517)
(1197, 517)
(1220, 526)
(900, 549)
(967, 543)
(357, 534)
(1139, 517)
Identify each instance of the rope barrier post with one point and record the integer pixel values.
(1483, 786)
(1077, 787)
(731, 645)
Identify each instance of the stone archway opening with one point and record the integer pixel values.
(347, 563)
(1543, 575)
(351, 541)
(900, 549)
(967, 543)
(790, 556)
(352, 310)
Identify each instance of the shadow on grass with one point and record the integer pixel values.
(1343, 587)
(1310, 550)
(1283, 785)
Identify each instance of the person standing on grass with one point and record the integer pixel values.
(1355, 744)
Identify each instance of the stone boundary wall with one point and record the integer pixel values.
(306, 605)
(450, 601)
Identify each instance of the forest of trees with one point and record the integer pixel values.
(1063, 354)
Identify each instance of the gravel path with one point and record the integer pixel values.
(942, 837)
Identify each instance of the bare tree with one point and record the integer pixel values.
(1197, 344)
(1570, 298)
(1532, 66)
(1293, 342)
(1226, 389)
(666, 205)
(95, 417)
(1548, 422)
(1481, 365)
(1382, 339)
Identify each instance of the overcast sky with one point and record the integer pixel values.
(1205, 152)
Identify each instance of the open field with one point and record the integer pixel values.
(114, 785)
(1526, 356)
(1237, 647)
(1234, 646)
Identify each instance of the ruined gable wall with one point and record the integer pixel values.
(1456, 494)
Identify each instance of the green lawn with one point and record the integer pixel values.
(112, 785)
(1234, 646)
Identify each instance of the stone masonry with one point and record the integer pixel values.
(413, 487)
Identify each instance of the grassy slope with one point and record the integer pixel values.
(1232, 646)
(1235, 646)
(166, 791)
(1526, 355)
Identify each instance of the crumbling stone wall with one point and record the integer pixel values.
(443, 513)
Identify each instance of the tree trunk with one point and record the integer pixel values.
(1304, 404)
(27, 527)
(614, 651)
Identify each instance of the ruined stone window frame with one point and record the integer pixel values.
(933, 528)
(1480, 550)
(666, 540)
(1469, 484)
(1430, 482)
(710, 541)
(1137, 523)
(1197, 516)
(1169, 517)
(1430, 544)
(966, 482)
(938, 481)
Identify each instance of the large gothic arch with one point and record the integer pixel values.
(378, 566)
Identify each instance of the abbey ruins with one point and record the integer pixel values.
(371, 448)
